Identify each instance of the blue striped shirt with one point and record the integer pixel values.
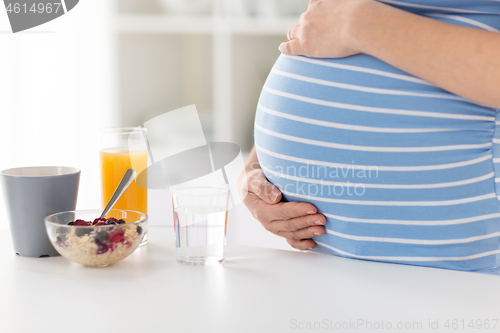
(404, 171)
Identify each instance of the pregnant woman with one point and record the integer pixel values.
(376, 133)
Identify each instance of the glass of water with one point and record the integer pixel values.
(200, 220)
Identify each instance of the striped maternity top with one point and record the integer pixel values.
(404, 172)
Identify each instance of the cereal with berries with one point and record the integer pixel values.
(101, 242)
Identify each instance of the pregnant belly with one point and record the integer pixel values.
(403, 171)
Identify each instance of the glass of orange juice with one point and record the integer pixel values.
(124, 148)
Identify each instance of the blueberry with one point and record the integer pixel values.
(101, 236)
(83, 231)
(61, 238)
(71, 223)
(102, 248)
(139, 230)
(121, 221)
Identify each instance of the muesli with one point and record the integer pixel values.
(98, 243)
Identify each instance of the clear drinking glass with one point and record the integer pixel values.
(200, 221)
(124, 148)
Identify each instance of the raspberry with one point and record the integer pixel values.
(116, 236)
(81, 222)
(99, 219)
(111, 246)
(100, 223)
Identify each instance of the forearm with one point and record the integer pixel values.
(462, 60)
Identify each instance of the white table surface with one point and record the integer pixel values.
(255, 290)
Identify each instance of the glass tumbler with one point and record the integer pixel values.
(124, 148)
(200, 221)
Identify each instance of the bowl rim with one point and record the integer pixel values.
(144, 218)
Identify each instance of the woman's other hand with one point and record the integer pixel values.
(323, 30)
(460, 59)
(298, 222)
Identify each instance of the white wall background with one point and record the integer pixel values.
(59, 83)
(56, 90)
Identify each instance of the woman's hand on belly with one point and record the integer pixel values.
(298, 222)
(460, 59)
(321, 32)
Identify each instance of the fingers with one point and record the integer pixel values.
(293, 32)
(260, 186)
(295, 221)
(302, 234)
(284, 227)
(297, 230)
(291, 47)
(284, 211)
(305, 244)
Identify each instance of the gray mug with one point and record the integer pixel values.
(31, 194)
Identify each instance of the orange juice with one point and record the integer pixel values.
(114, 163)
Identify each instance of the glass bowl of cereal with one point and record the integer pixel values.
(85, 238)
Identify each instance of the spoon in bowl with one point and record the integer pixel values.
(127, 179)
